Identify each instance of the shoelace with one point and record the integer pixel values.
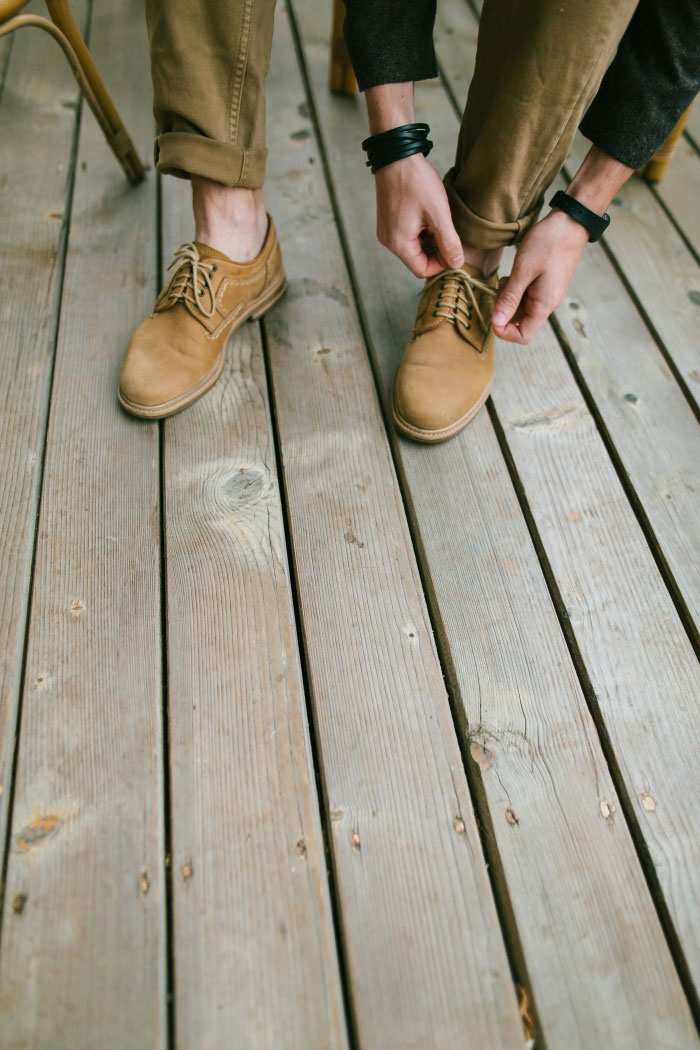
(191, 275)
(457, 295)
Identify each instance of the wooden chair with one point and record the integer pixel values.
(64, 30)
(342, 78)
(655, 169)
(342, 82)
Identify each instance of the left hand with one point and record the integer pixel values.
(544, 264)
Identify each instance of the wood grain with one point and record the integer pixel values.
(661, 271)
(596, 960)
(37, 120)
(426, 964)
(678, 191)
(254, 945)
(82, 964)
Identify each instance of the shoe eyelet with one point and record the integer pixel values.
(468, 326)
(213, 269)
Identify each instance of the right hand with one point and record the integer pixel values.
(413, 216)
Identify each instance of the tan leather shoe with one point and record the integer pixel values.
(178, 352)
(446, 371)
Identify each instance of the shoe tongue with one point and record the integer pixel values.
(490, 279)
(205, 252)
(473, 271)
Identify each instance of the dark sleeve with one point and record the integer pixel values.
(390, 41)
(651, 82)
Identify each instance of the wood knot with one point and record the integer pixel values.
(38, 831)
(483, 757)
(607, 809)
(244, 487)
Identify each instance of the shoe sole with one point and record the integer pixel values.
(168, 408)
(435, 436)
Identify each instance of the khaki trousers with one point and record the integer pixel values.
(539, 65)
(209, 60)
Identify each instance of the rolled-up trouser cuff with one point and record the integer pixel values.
(183, 153)
(482, 233)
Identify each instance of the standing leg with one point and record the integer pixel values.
(209, 60)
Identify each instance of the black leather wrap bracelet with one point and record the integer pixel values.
(395, 144)
(595, 224)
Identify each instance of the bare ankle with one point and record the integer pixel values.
(486, 259)
(231, 219)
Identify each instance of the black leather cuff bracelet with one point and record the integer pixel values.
(595, 224)
(395, 144)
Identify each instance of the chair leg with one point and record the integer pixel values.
(88, 78)
(98, 97)
(342, 77)
(655, 169)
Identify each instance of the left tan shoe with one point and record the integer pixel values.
(179, 351)
(446, 371)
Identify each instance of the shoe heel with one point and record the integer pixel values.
(269, 300)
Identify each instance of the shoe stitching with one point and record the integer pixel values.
(444, 431)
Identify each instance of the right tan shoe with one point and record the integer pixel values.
(446, 371)
(179, 351)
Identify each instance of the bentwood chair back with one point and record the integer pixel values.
(62, 27)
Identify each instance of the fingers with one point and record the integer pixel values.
(509, 298)
(522, 305)
(447, 241)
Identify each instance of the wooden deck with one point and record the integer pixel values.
(312, 738)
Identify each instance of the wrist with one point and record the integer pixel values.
(566, 227)
(594, 224)
(598, 180)
(389, 106)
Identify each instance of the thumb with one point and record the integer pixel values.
(448, 243)
(509, 297)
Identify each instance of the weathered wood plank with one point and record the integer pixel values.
(642, 668)
(659, 269)
(37, 120)
(254, 943)
(652, 427)
(634, 647)
(679, 192)
(596, 958)
(426, 962)
(83, 937)
(646, 414)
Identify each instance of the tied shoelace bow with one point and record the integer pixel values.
(457, 296)
(190, 279)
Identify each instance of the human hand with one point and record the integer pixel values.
(544, 264)
(413, 216)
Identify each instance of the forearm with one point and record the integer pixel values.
(653, 78)
(389, 106)
(391, 41)
(598, 181)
